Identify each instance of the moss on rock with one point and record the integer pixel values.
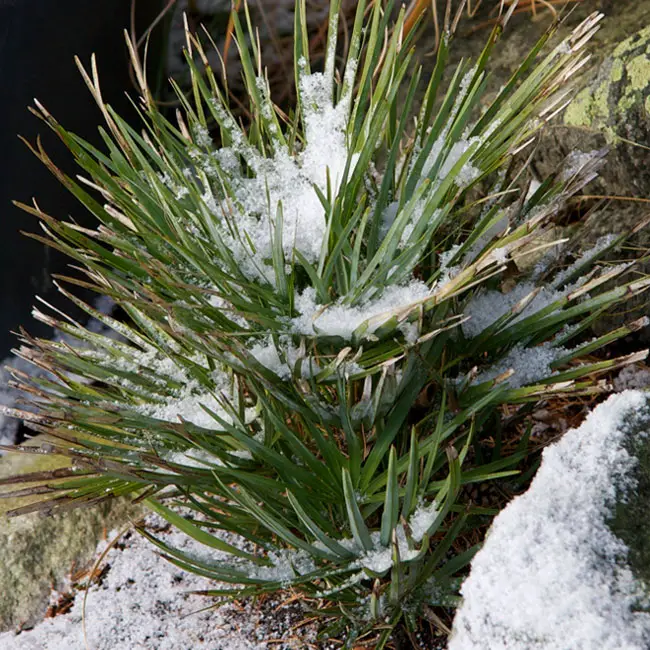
(15, 463)
(616, 99)
(38, 551)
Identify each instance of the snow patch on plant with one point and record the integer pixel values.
(343, 320)
(528, 364)
(486, 307)
(422, 519)
(287, 181)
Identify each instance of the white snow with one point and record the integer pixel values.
(448, 255)
(532, 188)
(411, 331)
(380, 558)
(589, 255)
(577, 160)
(422, 519)
(468, 172)
(486, 307)
(268, 354)
(287, 565)
(193, 458)
(495, 230)
(342, 320)
(288, 180)
(528, 364)
(633, 377)
(551, 575)
(228, 310)
(189, 406)
(144, 603)
(388, 218)
(202, 136)
(414, 221)
(190, 401)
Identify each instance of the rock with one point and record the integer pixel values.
(567, 564)
(38, 551)
(631, 519)
(613, 110)
(610, 109)
(617, 101)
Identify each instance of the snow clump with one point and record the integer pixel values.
(552, 575)
(342, 320)
(283, 179)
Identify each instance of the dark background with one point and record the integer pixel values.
(38, 42)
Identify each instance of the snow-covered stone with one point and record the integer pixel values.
(552, 574)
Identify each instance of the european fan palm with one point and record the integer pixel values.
(292, 286)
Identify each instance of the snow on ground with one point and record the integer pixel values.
(142, 604)
(551, 575)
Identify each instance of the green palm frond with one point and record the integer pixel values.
(292, 286)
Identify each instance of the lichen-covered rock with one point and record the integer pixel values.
(611, 102)
(39, 551)
(617, 101)
(610, 109)
(567, 564)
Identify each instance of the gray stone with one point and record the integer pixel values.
(631, 520)
(38, 551)
(611, 100)
(610, 110)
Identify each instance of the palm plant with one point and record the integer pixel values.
(292, 287)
